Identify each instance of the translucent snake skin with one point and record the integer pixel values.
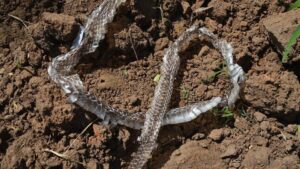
(60, 71)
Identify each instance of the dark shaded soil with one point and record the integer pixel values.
(34, 113)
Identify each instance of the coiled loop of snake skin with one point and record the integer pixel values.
(158, 115)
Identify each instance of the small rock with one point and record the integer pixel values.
(17, 107)
(106, 166)
(53, 27)
(244, 25)
(98, 130)
(2, 71)
(198, 136)
(124, 136)
(216, 135)
(63, 26)
(259, 116)
(291, 128)
(186, 7)
(8, 117)
(290, 162)
(93, 164)
(204, 50)
(25, 74)
(257, 156)
(205, 143)
(226, 132)
(54, 163)
(220, 9)
(289, 145)
(161, 43)
(19, 57)
(260, 141)
(230, 152)
(236, 164)
(257, 40)
(265, 126)
(177, 153)
(127, 38)
(201, 89)
(197, 5)
(35, 58)
(9, 89)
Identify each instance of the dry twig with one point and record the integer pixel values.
(18, 19)
(132, 45)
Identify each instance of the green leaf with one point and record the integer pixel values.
(227, 112)
(294, 5)
(298, 126)
(184, 93)
(156, 78)
(291, 42)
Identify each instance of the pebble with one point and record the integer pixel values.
(259, 116)
(9, 89)
(216, 134)
(2, 71)
(186, 7)
(257, 40)
(231, 151)
(289, 145)
(260, 141)
(265, 126)
(291, 128)
(198, 136)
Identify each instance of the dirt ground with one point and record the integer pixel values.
(35, 116)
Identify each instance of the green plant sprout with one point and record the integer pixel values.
(224, 112)
(184, 93)
(227, 113)
(217, 72)
(294, 5)
(291, 42)
(298, 127)
(156, 78)
(18, 64)
(125, 73)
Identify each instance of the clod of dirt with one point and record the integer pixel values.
(93, 164)
(220, 9)
(253, 160)
(198, 136)
(291, 128)
(161, 43)
(19, 154)
(52, 29)
(186, 7)
(290, 162)
(216, 135)
(259, 116)
(280, 28)
(132, 40)
(270, 88)
(231, 151)
(191, 154)
(172, 9)
(3, 37)
(43, 104)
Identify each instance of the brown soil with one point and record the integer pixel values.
(34, 113)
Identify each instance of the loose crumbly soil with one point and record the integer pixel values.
(35, 115)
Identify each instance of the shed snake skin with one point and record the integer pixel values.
(60, 71)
